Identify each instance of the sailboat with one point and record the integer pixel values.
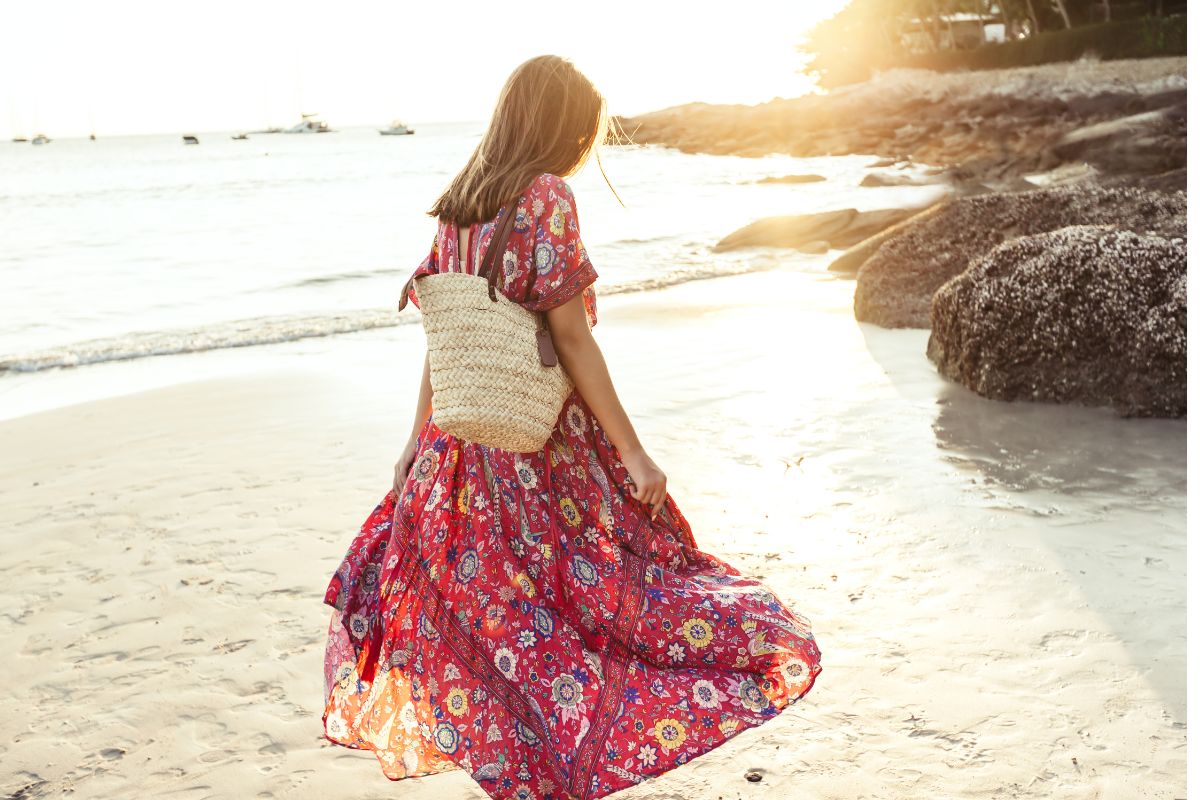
(42, 138)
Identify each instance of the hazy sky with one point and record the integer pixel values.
(145, 66)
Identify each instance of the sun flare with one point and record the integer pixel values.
(135, 66)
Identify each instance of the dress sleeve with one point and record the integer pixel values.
(560, 267)
(427, 267)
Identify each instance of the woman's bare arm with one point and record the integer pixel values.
(424, 407)
(583, 361)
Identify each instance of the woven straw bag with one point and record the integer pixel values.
(495, 376)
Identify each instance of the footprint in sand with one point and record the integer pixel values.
(271, 753)
(215, 756)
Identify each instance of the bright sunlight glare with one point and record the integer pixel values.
(70, 68)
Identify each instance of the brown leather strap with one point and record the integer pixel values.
(404, 294)
(492, 264)
(493, 259)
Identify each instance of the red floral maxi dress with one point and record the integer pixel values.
(520, 616)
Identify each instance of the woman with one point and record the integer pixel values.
(544, 620)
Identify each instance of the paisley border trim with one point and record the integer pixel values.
(617, 656)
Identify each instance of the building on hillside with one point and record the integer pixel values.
(960, 31)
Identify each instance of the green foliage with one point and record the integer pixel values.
(864, 37)
(1145, 37)
(844, 47)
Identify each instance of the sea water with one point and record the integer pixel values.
(128, 247)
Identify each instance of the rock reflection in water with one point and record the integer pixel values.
(1068, 449)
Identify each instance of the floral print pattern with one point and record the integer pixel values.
(521, 616)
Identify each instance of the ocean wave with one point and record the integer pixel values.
(279, 329)
(219, 336)
(636, 240)
(348, 275)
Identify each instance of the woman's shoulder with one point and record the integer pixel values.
(549, 186)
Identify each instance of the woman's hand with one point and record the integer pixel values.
(649, 482)
(407, 455)
(583, 361)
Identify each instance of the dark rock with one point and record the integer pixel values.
(843, 228)
(793, 179)
(754, 775)
(896, 284)
(1171, 181)
(1085, 314)
(1145, 143)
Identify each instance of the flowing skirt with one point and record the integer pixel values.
(520, 616)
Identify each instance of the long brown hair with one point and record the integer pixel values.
(549, 118)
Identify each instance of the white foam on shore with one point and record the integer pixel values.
(259, 331)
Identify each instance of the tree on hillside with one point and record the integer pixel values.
(1035, 25)
(1061, 7)
(866, 36)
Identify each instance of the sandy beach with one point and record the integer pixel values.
(998, 589)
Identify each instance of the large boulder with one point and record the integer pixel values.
(1086, 314)
(841, 229)
(897, 282)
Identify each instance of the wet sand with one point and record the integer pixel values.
(998, 589)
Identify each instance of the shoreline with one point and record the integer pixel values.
(968, 565)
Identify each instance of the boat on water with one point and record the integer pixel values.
(20, 139)
(42, 138)
(239, 137)
(397, 128)
(190, 140)
(309, 125)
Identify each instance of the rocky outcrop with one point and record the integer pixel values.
(897, 283)
(1084, 314)
(841, 229)
(992, 126)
